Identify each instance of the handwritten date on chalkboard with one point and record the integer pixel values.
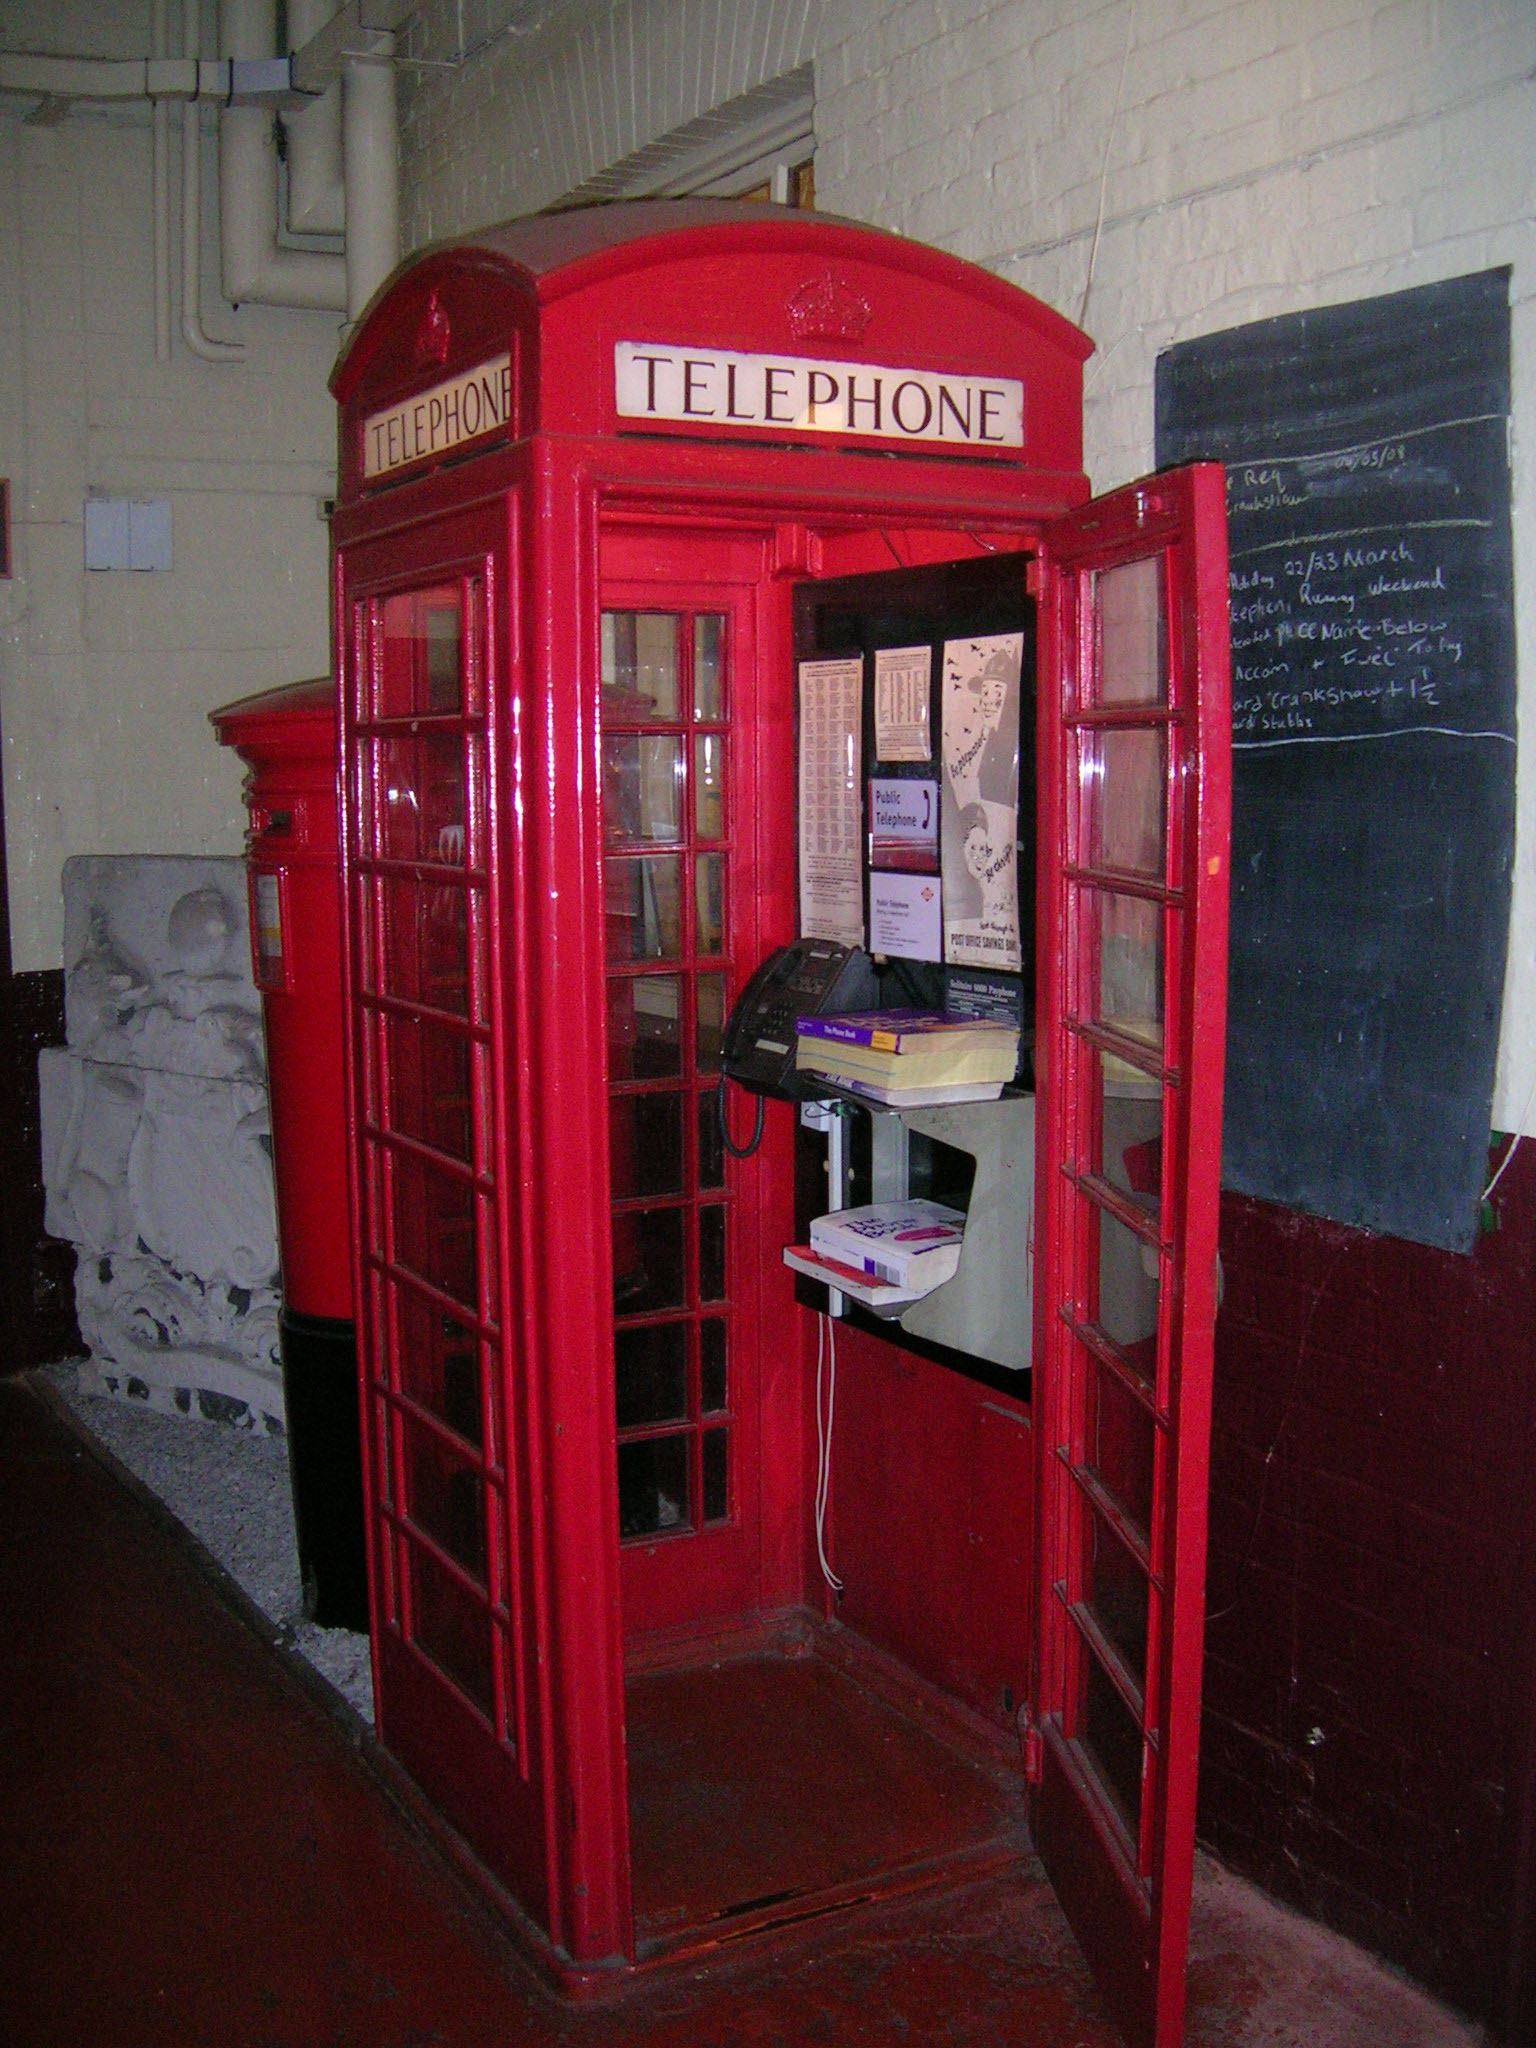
(1372, 635)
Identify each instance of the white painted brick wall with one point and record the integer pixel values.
(106, 679)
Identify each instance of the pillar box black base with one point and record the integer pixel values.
(326, 1468)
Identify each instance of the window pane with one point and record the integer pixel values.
(639, 672)
(712, 1386)
(1127, 1305)
(642, 788)
(1127, 800)
(1115, 1592)
(434, 1227)
(645, 1145)
(708, 677)
(641, 907)
(1113, 1742)
(428, 1068)
(439, 1363)
(643, 1037)
(653, 1486)
(709, 994)
(711, 1151)
(419, 791)
(709, 902)
(423, 944)
(452, 1628)
(712, 1253)
(709, 785)
(1121, 1446)
(445, 1499)
(651, 1374)
(420, 666)
(1130, 1123)
(1129, 996)
(648, 1268)
(1129, 600)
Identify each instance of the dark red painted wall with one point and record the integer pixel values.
(1369, 1739)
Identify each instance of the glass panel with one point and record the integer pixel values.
(709, 902)
(641, 909)
(434, 1227)
(1121, 1446)
(445, 1499)
(439, 1365)
(645, 1145)
(709, 785)
(653, 1486)
(424, 944)
(427, 1070)
(1130, 1123)
(709, 996)
(1130, 991)
(643, 1036)
(648, 1266)
(712, 1253)
(651, 1374)
(711, 1365)
(711, 1151)
(716, 1492)
(1115, 1592)
(440, 624)
(420, 665)
(656, 662)
(1113, 1742)
(419, 791)
(1129, 601)
(452, 1628)
(1127, 797)
(1127, 1308)
(642, 788)
(708, 677)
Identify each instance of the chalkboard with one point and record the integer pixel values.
(1373, 706)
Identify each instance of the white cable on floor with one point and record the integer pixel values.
(826, 1345)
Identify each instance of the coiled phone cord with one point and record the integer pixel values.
(737, 1151)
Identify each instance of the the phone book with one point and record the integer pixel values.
(910, 1244)
(902, 1031)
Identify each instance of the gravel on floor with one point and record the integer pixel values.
(230, 1488)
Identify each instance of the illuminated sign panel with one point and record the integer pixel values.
(478, 402)
(710, 388)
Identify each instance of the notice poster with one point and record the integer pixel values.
(903, 824)
(979, 801)
(904, 916)
(903, 680)
(831, 879)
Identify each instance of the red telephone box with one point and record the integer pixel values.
(605, 477)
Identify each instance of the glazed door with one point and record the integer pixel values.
(678, 686)
(1134, 795)
(436, 1208)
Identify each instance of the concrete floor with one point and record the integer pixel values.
(195, 1847)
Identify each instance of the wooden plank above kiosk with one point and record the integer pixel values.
(1373, 703)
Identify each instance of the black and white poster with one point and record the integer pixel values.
(979, 801)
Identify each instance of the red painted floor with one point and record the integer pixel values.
(192, 1849)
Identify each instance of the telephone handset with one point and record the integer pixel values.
(806, 979)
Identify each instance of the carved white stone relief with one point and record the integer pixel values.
(157, 1141)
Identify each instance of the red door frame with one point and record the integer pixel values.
(1129, 1901)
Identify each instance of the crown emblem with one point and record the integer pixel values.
(433, 336)
(828, 309)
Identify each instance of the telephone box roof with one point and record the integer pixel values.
(549, 305)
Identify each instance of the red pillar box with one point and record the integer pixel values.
(287, 737)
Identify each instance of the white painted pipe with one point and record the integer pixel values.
(160, 180)
(192, 334)
(255, 268)
(316, 199)
(372, 178)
